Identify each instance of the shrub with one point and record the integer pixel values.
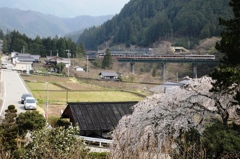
(98, 155)
(220, 139)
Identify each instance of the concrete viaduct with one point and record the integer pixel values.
(163, 60)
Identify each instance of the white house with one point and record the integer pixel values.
(22, 66)
(78, 68)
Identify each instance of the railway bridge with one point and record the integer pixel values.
(164, 59)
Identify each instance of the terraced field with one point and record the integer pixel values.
(60, 90)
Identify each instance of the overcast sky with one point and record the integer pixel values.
(68, 8)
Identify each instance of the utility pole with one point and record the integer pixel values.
(23, 49)
(69, 54)
(46, 115)
(87, 66)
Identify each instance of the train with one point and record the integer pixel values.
(165, 56)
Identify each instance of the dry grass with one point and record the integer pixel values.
(62, 90)
(42, 86)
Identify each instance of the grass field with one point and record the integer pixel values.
(62, 97)
(61, 90)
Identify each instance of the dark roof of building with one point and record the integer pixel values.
(22, 54)
(108, 74)
(53, 58)
(36, 57)
(103, 116)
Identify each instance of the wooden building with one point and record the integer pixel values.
(97, 119)
(109, 75)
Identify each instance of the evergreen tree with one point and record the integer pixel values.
(81, 50)
(107, 60)
(30, 120)
(9, 129)
(219, 140)
(1, 35)
(154, 72)
(228, 72)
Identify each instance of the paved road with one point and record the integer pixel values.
(12, 88)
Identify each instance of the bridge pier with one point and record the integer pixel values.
(194, 70)
(164, 65)
(132, 67)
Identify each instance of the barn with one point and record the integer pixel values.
(97, 119)
(108, 75)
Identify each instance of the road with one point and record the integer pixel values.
(12, 88)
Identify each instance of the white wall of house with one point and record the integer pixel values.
(23, 66)
(79, 69)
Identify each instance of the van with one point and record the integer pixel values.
(30, 103)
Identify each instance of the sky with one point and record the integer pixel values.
(68, 8)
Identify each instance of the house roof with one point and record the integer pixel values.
(57, 59)
(22, 54)
(53, 58)
(36, 57)
(103, 116)
(25, 59)
(162, 87)
(78, 67)
(108, 74)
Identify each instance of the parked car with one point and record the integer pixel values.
(24, 97)
(30, 103)
(4, 66)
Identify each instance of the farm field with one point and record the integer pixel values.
(60, 90)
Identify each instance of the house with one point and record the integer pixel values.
(164, 87)
(56, 59)
(36, 58)
(78, 68)
(108, 75)
(178, 49)
(24, 57)
(22, 66)
(97, 119)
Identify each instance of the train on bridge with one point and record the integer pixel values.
(137, 55)
(187, 56)
(165, 56)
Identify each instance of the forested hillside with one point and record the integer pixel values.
(15, 41)
(143, 22)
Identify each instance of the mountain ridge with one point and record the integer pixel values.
(33, 23)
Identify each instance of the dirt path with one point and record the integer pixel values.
(54, 110)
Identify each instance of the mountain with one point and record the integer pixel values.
(34, 23)
(144, 23)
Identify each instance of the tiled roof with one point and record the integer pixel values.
(25, 59)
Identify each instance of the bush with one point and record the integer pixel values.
(220, 139)
(56, 143)
(30, 120)
(98, 155)
(55, 121)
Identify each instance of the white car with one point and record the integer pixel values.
(4, 66)
(30, 103)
